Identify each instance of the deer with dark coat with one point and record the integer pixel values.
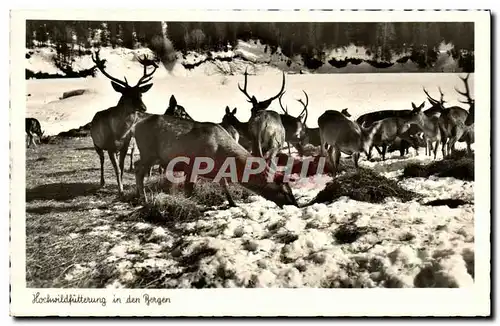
(33, 128)
(162, 138)
(112, 129)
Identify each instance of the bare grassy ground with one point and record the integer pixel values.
(71, 222)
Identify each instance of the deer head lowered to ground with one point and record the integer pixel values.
(369, 118)
(393, 127)
(165, 139)
(33, 128)
(342, 135)
(111, 129)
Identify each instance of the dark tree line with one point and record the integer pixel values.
(308, 39)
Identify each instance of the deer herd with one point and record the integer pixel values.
(161, 139)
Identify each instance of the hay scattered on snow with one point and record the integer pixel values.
(363, 185)
(459, 165)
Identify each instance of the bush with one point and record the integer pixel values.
(459, 165)
(163, 49)
(363, 185)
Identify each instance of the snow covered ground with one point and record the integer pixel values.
(258, 244)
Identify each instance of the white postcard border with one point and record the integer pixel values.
(260, 302)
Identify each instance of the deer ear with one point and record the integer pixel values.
(421, 106)
(413, 106)
(117, 87)
(227, 109)
(234, 111)
(173, 102)
(145, 88)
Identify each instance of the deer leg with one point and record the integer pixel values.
(141, 169)
(289, 152)
(100, 152)
(336, 157)
(230, 200)
(444, 146)
(188, 185)
(112, 157)
(123, 155)
(132, 158)
(436, 149)
(31, 141)
(384, 150)
(331, 160)
(355, 157)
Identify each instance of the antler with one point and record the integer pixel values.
(281, 92)
(100, 65)
(244, 90)
(433, 101)
(441, 100)
(146, 62)
(467, 90)
(305, 106)
(284, 110)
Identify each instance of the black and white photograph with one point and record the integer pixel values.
(213, 153)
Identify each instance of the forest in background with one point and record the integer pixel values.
(309, 39)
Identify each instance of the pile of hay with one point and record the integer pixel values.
(83, 131)
(363, 185)
(459, 165)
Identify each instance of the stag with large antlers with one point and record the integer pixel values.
(295, 132)
(437, 106)
(469, 100)
(265, 128)
(453, 123)
(260, 105)
(112, 129)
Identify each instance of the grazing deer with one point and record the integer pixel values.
(163, 138)
(295, 132)
(391, 128)
(111, 129)
(343, 136)
(33, 127)
(368, 119)
(265, 128)
(453, 122)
